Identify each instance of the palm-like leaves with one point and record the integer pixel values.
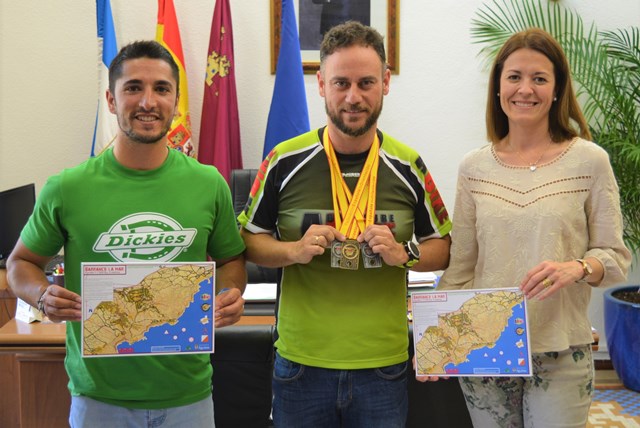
(606, 70)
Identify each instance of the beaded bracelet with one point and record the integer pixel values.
(41, 301)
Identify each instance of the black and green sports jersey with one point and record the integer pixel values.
(331, 317)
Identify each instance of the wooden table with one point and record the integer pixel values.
(33, 381)
(32, 376)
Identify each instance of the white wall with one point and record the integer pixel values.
(48, 76)
(48, 73)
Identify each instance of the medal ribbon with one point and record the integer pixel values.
(349, 209)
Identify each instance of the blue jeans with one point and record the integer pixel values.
(86, 412)
(312, 397)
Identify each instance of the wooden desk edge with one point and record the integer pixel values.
(256, 320)
(17, 334)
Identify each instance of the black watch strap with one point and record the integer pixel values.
(413, 251)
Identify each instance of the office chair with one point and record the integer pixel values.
(241, 182)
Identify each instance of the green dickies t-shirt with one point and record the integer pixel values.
(101, 211)
(330, 317)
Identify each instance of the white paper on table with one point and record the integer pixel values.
(27, 313)
(260, 292)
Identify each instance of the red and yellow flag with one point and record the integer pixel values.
(168, 34)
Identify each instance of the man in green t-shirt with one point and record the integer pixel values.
(344, 211)
(138, 200)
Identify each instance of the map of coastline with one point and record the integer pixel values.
(160, 298)
(478, 324)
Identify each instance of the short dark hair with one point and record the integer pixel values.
(563, 110)
(349, 34)
(141, 49)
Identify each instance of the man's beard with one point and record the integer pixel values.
(150, 139)
(144, 139)
(342, 126)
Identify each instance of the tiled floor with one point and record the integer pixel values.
(613, 405)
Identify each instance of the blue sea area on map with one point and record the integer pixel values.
(166, 338)
(505, 358)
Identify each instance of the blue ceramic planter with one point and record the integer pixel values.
(622, 327)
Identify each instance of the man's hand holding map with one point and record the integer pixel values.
(145, 308)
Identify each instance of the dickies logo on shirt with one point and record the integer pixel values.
(145, 237)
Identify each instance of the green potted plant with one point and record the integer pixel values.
(606, 69)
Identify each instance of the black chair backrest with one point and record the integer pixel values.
(241, 182)
(242, 366)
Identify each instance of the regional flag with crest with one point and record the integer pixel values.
(168, 34)
(220, 124)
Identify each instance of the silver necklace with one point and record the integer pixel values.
(532, 165)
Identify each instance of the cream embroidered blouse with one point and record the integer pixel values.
(508, 218)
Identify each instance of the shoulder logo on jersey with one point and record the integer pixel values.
(262, 172)
(436, 200)
(145, 237)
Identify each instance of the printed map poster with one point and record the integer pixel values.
(471, 333)
(147, 308)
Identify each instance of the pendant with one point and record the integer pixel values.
(371, 259)
(336, 253)
(533, 168)
(350, 255)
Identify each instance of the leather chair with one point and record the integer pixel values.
(244, 354)
(242, 367)
(241, 182)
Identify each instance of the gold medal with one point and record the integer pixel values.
(350, 255)
(353, 212)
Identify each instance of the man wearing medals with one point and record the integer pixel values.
(344, 211)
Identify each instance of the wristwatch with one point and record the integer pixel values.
(413, 251)
(586, 269)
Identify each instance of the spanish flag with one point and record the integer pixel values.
(168, 34)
